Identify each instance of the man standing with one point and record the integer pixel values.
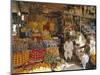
(68, 48)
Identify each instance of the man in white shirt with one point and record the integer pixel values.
(68, 48)
(85, 60)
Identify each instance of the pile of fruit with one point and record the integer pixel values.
(36, 55)
(48, 58)
(41, 67)
(53, 51)
(20, 57)
(37, 67)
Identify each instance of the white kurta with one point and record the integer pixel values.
(84, 61)
(68, 47)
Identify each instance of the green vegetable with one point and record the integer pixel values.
(50, 59)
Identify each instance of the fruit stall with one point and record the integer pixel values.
(39, 31)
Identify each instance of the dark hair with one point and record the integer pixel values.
(67, 38)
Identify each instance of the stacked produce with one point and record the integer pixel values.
(41, 67)
(37, 67)
(51, 47)
(19, 44)
(48, 58)
(20, 57)
(53, 51)
(46, 35)
(37, 55)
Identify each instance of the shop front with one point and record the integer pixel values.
(48, 37)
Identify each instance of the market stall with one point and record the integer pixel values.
(39, 32)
